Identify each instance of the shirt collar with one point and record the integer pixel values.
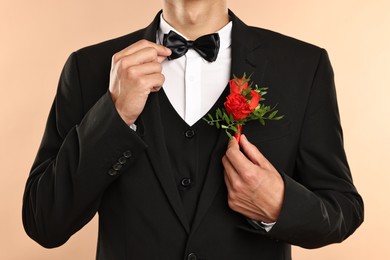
(225, 34)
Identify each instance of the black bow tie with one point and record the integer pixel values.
(207, 46)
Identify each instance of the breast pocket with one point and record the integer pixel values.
(271, 131)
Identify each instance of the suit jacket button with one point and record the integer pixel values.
(186, 182)
(117, 166)
(189, 133)
(192, 256)
(127, 154)
(112, 172)
(122, 160)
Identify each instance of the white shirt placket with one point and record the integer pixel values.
(193, 94)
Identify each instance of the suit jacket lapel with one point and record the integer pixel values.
(247, 54)
(246, 58)
(154, 137)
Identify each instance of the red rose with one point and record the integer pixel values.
(237, 85)
(238, 106)
(254, 100)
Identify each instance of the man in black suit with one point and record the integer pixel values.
(168, 186)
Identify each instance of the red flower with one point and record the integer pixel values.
(242, 105)
(238, 106)
(238, 84)
(254, 100)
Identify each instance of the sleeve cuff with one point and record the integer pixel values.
(260, 224)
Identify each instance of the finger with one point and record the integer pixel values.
(237, 158)
(233, 144)
(160, 59)
(142, 56)
(227, 181)
(154, 81)
(140, 70)
(142, 44)
(230, 171)
(251, 151)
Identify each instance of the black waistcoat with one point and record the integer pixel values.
(190, 149)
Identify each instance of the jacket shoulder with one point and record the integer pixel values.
(109, 47)
(284, 43)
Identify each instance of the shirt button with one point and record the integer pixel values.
(112, 172)
(127, 154)
(189, 133)
(186, 182)
(192, 256)
(117, 166)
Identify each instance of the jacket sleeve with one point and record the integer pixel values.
(321, 204)
(81, 154)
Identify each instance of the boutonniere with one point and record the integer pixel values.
(243, 104)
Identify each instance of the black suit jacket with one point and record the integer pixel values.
(90, 161)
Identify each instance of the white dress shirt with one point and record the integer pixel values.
(192, 84)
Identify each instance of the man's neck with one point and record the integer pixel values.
(196, 18)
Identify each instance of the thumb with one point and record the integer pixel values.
(233, 144)
(251, 151)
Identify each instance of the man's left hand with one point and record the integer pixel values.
(255, 188)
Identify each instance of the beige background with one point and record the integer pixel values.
(37, 36)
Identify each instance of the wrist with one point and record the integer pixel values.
(120, 109)
(128, 120)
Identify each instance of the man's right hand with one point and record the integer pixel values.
(135, 72)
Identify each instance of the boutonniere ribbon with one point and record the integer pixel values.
(243, 104)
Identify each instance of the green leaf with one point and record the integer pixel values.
(250, 85)
(262, 122)
(231, 118)
(278, 118)
(229, 135)
(226, 118)
(234, 129)
(273, 114)
(219, 113)
(246, 92)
